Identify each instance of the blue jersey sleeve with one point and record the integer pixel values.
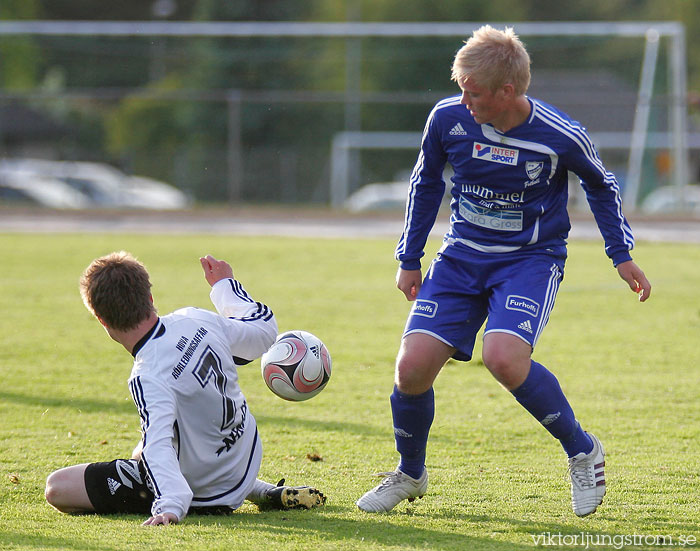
(425, 193)
(603, 195)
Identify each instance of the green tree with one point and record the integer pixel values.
(19, 56)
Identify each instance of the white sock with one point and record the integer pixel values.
(259, 491)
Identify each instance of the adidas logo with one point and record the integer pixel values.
(549, 419)
(113, 485)
(458, 130)
(402, 433)
(526, 326)
(315, 351)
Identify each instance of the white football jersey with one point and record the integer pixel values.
(200, 443)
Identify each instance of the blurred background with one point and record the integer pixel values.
(175, 103)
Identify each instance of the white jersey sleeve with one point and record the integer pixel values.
(156, 404)
(247, 340)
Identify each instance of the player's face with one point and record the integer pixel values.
(484, 105)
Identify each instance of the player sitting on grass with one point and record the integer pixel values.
(502, 259)
(200, 449)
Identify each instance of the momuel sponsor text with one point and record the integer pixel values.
(490, 195)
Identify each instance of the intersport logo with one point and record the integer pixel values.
(493, 154)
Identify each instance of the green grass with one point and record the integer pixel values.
(498, 479)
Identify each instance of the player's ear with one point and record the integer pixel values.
(508, 91)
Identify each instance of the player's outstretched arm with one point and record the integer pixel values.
(250, 326)
(409, 282)
(215, 270)
(635, 278)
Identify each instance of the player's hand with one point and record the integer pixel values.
(136, 454)
(409, 282)
(163, 519)
(215, 270)
(635, 278)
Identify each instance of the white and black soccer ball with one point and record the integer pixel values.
(297, 366)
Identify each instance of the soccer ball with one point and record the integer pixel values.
(297, 366)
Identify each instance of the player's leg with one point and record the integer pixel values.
(280, 496)
(536, 388)
(264, 494)
(115, 487)
(539, 392)
(65, 490)
(418, 363)
(443, 323)
(519, 311)
(507, 357)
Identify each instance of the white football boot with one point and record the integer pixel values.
(395, 487)
(587, 473)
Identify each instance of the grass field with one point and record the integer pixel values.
(498, 480)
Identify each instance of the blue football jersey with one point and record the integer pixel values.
(509, 189)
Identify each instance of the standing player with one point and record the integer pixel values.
(502, 259)
(200, 447)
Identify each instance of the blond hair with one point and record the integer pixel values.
(494, 58)
(116, 289)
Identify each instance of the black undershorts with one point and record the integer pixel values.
(120, 486)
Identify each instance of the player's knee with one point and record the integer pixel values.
(54, 492)
(507, 357)
(411, 377)
(495, 359)
(507, 368)
(419, 361)
(60, 491)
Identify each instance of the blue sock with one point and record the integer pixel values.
(413, 415)
(542, 396)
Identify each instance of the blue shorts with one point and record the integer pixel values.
(514, 291)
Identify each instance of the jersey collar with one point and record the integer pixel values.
(143, 340)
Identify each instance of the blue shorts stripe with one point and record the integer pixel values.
(550, 298)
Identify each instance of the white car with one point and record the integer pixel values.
(102, 184)
(673, 199)
(143, 192)
(18, 187)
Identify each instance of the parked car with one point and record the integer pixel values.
(34, 189)
(102, 185)
(673, 199)
(143, 192)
